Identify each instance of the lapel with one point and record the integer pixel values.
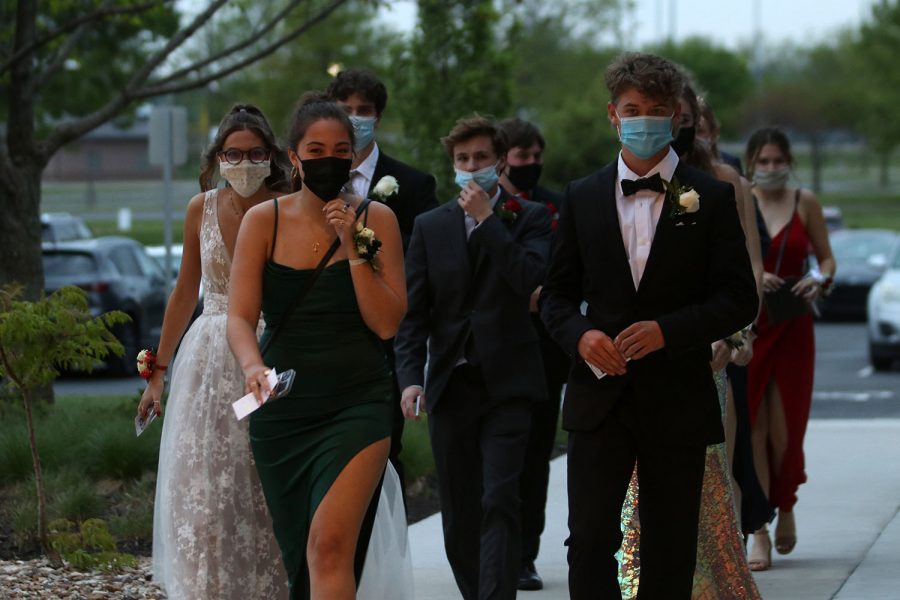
(381, 168)
(504, 196)
(663, 231)
(611, 228)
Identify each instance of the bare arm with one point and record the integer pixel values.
(181, 304)
(817, 232)
(381, 294)
(245, 290)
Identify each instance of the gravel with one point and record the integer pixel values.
(28, 579)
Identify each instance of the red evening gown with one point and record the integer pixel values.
(785, 354)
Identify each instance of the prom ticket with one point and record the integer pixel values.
(247, 404)
(600, 374)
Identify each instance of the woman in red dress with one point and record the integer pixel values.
(780, 376)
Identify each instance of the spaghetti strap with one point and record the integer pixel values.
(796, 199)
(365, 209)
(275, 232)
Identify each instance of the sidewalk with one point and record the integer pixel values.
(848, 521)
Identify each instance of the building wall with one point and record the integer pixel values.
(102, 159)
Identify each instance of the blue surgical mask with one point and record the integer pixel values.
(486, 178)
(645, 136)
(363, 131)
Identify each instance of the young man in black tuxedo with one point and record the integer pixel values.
(471, 267)
(655, 249)
(524, 162)
(364, 97)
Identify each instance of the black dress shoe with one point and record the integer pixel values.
(529, 580)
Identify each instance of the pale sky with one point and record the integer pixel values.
(728, 22)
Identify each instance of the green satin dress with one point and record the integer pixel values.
(340, 403)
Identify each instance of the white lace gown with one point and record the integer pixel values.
(212, 535)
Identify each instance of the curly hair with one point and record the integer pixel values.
(472, 126)
(245, 117)
(362, 82)
(651, 75)
(521, 133)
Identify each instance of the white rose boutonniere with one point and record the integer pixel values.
(684, 199)
(386, 188)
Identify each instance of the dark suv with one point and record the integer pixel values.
(117, 274)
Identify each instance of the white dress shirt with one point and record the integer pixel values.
(639, 213)
(361, 176)
(471, 223)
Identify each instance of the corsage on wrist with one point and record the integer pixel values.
(738, 340)
(367, 246)
(146, 363)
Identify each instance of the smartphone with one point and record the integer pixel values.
(418, 398)
(283, 385)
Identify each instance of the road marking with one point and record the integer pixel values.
(862, 396)
(865, 371)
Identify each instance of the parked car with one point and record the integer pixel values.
(834, 218)
(117, 274)
(884, 318)
(63, 227)
(862, 256)
(159, 254)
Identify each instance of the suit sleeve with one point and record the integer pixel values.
(522, 262)
(410, 343)
(562, 294)
(731, 300)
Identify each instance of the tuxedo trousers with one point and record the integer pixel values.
(536, 470)
(670, 481)
(479, 447)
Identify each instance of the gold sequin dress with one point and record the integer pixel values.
(722, 572)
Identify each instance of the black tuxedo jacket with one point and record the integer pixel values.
(451, 295)
(697, 284)
(415, 195)
(543, 195)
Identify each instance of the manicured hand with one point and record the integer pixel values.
(807, 288)
(640, 339)
(598, 349)
(771, 282)
(340, 215)
(151, 397)
(408, 402)
(256, 381)
(475, 201)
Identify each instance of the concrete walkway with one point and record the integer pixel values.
(848, 521)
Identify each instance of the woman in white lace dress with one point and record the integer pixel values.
(212, 535)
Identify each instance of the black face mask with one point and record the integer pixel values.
(684, 141)
(524, 177)
(326, 176)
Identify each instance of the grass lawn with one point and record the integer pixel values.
(147, 232)
(866, 209)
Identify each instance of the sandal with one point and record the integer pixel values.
(785, 532)
(760, 558)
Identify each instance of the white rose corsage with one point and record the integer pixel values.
(386, 188)
(684, 199)
(367, 245)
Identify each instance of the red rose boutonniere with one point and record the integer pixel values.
(509, 211)
(554, 216)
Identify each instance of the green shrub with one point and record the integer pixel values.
(133, 519)
(15, 458)
(77, 502)
(113, 452)
(90, 546)
(416, 455)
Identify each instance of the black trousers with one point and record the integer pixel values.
(479, 447)
(670, 480)
(536, 470)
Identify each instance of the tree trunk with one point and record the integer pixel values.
(39, 484)
(20, 228)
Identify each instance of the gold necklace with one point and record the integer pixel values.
(238, 212)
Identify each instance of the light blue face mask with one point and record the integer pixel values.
(486, 178)
(363, 131)
(645, 136)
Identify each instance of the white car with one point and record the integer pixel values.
(884, 318)
(159, 254)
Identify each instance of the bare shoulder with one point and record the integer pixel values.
(195, 206)
(809, 203)
(728, 173)
(260, 216)
(381, 213)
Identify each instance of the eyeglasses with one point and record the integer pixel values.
(234, 156)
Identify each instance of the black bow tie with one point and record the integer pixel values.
(654, 183)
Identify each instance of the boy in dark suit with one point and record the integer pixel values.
(471, 268)
(655, 249)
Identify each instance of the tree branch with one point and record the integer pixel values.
(171, 88)
(74, 129)
(246, 43)
(104, 11)
(59, 60)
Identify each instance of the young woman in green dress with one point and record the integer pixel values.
(321, 450)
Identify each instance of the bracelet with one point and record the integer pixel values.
(357, 261)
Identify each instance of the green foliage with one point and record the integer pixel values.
(89, 546)
(456, 63)
(38, 339)
(721, 75)
(416, 455)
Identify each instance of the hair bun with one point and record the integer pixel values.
(312, 97)
(250, 109)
